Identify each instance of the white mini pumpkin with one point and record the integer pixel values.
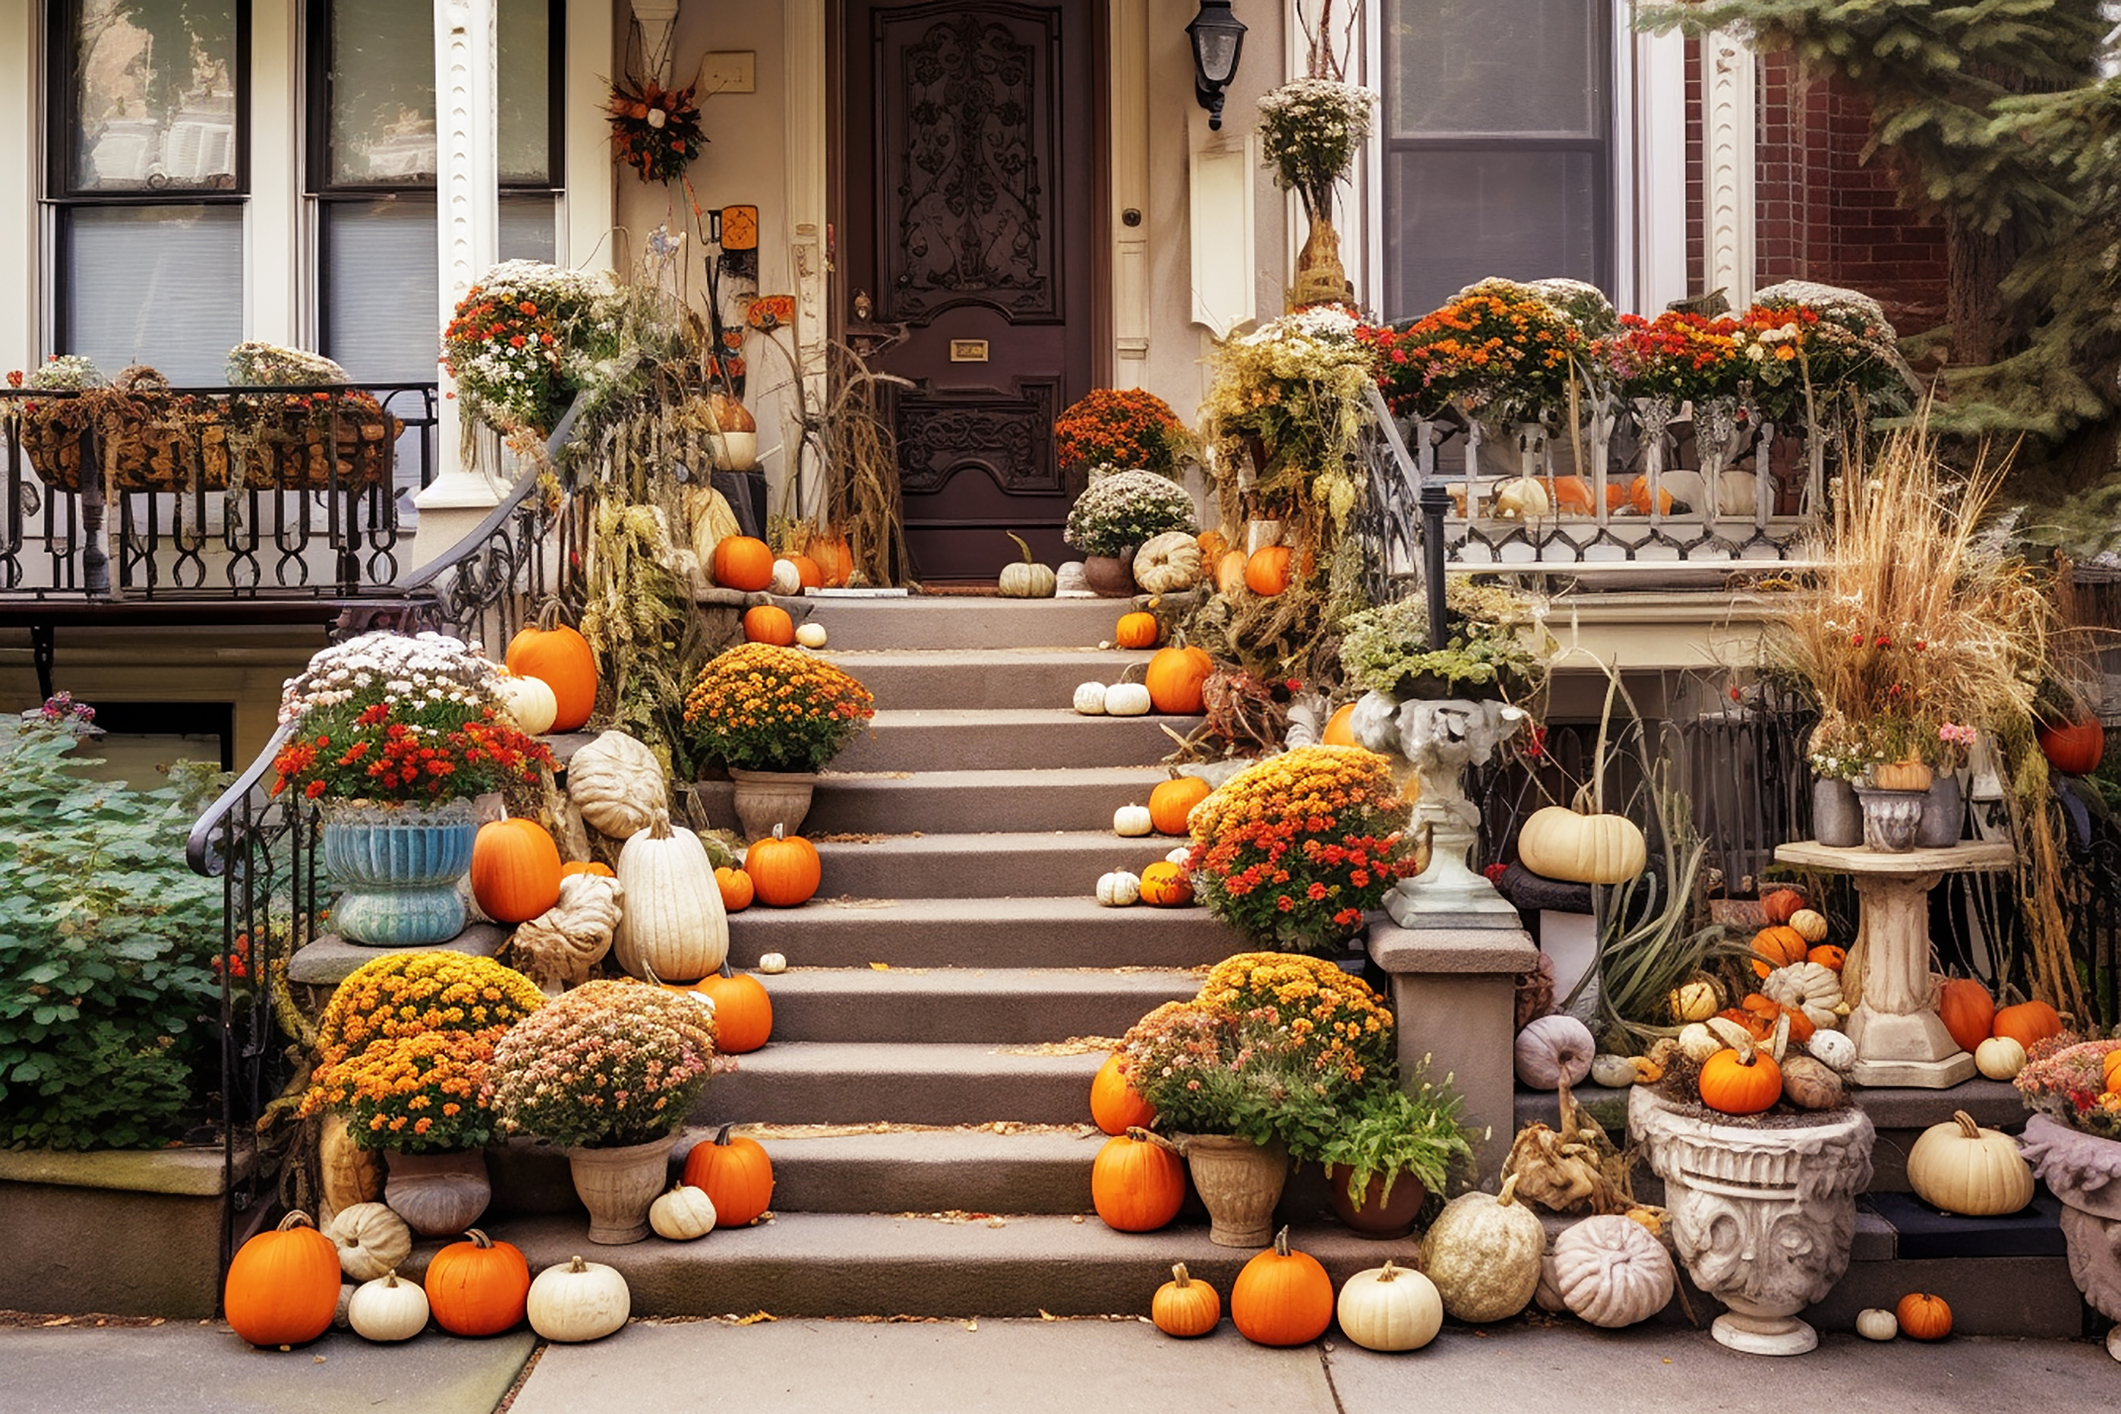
(1483, 1252)
(810, 634)
(1876, 1323)
(1551, 1048)
(1390, 1308)
(1090, 699)
(1612, 1271)
(579, 1301)
(1179, 856)
(617, 784)
(1521, 498)
(2000, 1058)
(1613, 1072)
(772, 963)
(682, 1214)
(1832, 1048)
(1118, 889)
(389, 1308)
(787, 579)
(1810, 924)
(530, 701)
(1167, 563)
(1132, 820)
(1962, 1168)
(1697, 1043)
(1811, 987)
(1694, 1000)
(1127, 699)
(371, 1238)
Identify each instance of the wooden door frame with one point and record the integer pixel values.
(1098, 229)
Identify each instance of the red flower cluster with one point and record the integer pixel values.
(442, 751)
(1480, 350)
(1676, 355)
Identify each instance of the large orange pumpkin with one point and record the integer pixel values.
(562, 659)
(1137, 1184)
(477, 1286)
(1968, 1011)
(735, 1174)
(2073, 748)
(283, 1285)
(769, 623)
(1282, 1297)
(1114, 1102)
(737, 889)
(1173, 800)
(2028, 1023)
(1780, 944)
(835, 561)
(1137, 630)
(743, 1013)
(1176, 678)
(742, 562)
(515, 870)
(1267, 574)
(785, 870)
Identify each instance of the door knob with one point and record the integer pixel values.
(862, 307)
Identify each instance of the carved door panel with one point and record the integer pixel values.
(970, 153)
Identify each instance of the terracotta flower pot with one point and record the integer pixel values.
(1376, 1217)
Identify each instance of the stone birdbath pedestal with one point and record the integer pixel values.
(1441, 738)
(1900, 1039)
(1762, 1215)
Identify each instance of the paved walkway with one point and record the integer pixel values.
(1030, 1367)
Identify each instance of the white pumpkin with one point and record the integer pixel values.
(1582, 849)
(674, 923)
(389, 1308)
(1962, 1168)
(1483, 1252)
(1612, 1271)
(2000, 1058)
(617, 784)
(1090, 699)
(1522, 498)
(1179, 856)
(682, 1214)
(371, 1238)
(1131, 820)
(529, 700)
(1810, 924)
(1811, 987)
(1389, 1308)
(1127, 699)
(773, 964)
(1167, 563)
(811, 634)
(1876, 1323)
(577, 1302)
(787, 579)
(1832, 1048)
(1613, 1072)
(1118, 889)
(1551, 1048)
(1697, 1043)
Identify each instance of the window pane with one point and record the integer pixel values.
(1459, 217)
(382, 301)
(1523, 67)
(154, 95)
(160, 285)
(529, 227)
(525, 91)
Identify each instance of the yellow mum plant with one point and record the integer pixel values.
(763, 708)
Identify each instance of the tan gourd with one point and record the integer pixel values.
(347, 1174)
(1167, 563)
(1962, 1168)
(558, 948)
(371, 1239)
(1483, 1254)
(708, 520)
(578, 1301)
(674, 924)
(1581, 848)
(617, 784)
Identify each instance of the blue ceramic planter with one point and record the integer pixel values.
(399, 867)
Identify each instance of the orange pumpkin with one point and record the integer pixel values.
(1639, 497)
(2028, 1023)
(477, 1286)
(283, 1285)
(835, 561)
(1173, 800)
(1833, 959)
(737, 889)
(1340, 727)
(515, 870)
(1282, 1297)
(2073, 748)
(1213, 546)
(1165, 885)
(1184, 1307)
(1968, 1011)
(1571, 495)
(742, 562)
(1267, 573)
(807, 572)
(1740, 1082)
(743, 1013)
(1923, 1316)
(1781, 905)
(1115, 1104)
(563, 660)
(1137, 630)
(586, 866)
(769, 623)
(1780, 944)
(785, 870)
(1137, 1184)
(1230, 573)
(1176, 678)
(1769, 1011)
(2110, 1070)
(735, 1174)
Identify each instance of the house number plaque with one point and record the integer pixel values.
(968, 350)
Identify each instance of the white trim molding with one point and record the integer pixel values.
(1223, 167)
(21, 230)
(1659, 186)
(805, 141)
(1129, 82)
(1729, 83)
(589, 204)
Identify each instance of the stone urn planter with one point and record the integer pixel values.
(617, 1186)
(2084, 1171)
(1762, 1216)
(1239, 1183)
(763, 799)
(398, 866)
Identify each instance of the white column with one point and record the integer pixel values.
(273, 304)
(803, 29)
(21, 295)
(469, 220)
(590, 181)
(656, 18)
(1129, 77)
(1659, 188)
(1728, 81)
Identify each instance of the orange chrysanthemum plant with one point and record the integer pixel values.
(1122, 429)
(762, 708)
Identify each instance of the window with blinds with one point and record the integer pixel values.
(1497, 131)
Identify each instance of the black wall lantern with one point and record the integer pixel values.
(1218, 39)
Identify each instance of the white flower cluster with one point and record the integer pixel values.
(384, 665)
(261, 365)
(1326, 112)
(68, 373)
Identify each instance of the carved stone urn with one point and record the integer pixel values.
(2084, 1171)
(1441, 737)
(1763, 1217)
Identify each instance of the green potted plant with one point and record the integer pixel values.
(1115, 516)
(1487, 651)
(1393, 1146)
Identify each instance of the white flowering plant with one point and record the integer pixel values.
(383, 666)
(67, 373)
(1127, 508)
(1310, 130)
(524, 340)
(261, 365)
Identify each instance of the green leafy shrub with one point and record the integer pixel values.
(108, 997)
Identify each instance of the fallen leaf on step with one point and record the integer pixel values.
(972, 1325)
(60, 1321)
(1045, 1315)
(879, 967)
(754, 1318)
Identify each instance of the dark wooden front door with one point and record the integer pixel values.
(970, 151)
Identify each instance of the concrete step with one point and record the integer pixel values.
(983, 866)
(1020, 932)
(1008, 739)
(895, 803)
(974, 1005)
(959, 621)
(862, 1082)
(1020, 677)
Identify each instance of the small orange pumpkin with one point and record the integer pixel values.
(1340, 727)
(1923, 1316)
(785, 870)
(1639, 497)
(1769, 1011)
(1757, 1026)
(1967, 1010)
(743, 1012)
(1213, 546)
(736, 1175)
(1137, 1183)
(586, 866)
(1780, 944)
(563, 660)
(742, 562)
(1740, 1082)
(283, 1285)
(2073, 748)
(2027, 1023)
(1116, 1105)
(1833, 959)
(1173, 800)
(1165, 885)
(736, 887)
(1137, 630)
(1571, 495)
(515, 870)
(1184, 1307)
(1282, 1297)
(835, 560)
(1177, 678)
(769, 623)
(1781, 905)
(1267, 571)
(807, 572)
(477, 1286)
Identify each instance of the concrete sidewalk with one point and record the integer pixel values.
(1031, 1367)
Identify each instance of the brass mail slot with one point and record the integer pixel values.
(968, 350)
